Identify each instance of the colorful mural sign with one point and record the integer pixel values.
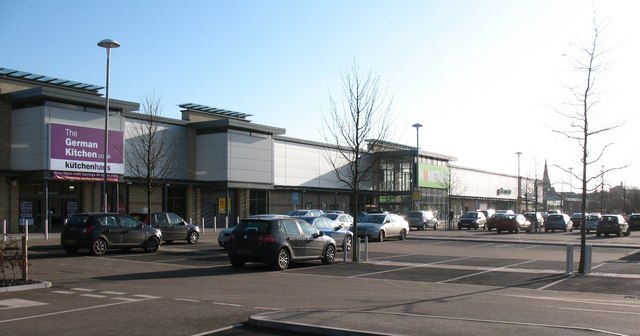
(81, 149)
(432, 176)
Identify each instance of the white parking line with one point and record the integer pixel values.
(94, 296)
(113, 293)
(66, 311)
(226, 304)
(487, 271)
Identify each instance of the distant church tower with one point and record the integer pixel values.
(546, 182)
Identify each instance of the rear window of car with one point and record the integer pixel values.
(592, 217)
(78, 220)
(416, 214)
(609, 219)
(554, 217)
(634, 217)
(253, 226)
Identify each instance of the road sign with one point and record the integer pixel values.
(294, 198)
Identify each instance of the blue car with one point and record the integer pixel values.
(332, 229)
(560, 222)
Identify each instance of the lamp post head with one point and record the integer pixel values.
(417, 125)
(109, 44)
(518, 153)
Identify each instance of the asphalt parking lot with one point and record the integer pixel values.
(442, 268)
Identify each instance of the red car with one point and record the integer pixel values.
(513, 223)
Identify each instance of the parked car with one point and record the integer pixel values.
(332, 229)
(305, 212)
(505, 211)
(492, 222)
(634, 221)
(380, 226)
(278, 242)
(533, 217)
(225, 234)
(576, 219)
(421, 220)
(100, 231)
(343, 219)
(613, 224)
(513, 223)
(173, 227)
(472, 219)
(591, 222)
(488, 213)
(558, 222)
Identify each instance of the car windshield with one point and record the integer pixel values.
(379, 219)
(470, 215)
(592, 217)
(331, 215)
(417, 214)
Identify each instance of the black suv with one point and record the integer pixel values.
(173, 227)
(100, 231)
(278, 242)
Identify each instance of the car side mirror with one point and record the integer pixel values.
(337, 228)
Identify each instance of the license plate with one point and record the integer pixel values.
(244, 251)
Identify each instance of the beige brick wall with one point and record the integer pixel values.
(138, 199)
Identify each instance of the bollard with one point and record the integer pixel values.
(46, 229)
(215, 224)
(366, 248)
(25, 259)
(587, 259)
(569, 266)
(4, 230)
(202, 224)
(226, 222)
(344, 250)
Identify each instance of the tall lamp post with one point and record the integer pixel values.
(107, 44)
(416, 191)
(518, 200)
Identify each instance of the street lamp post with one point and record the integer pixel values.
(417, 166)
(107, 44)
(518, 200)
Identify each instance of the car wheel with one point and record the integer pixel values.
(546, 230)
(99, 247)
(193, 237)
(424, 227)
(237, 262)
(628, 232)
(459, 227)
(329, 255)
(598, 234)
(152, 245)
(517, 230)
(71, 249)
(348, 241)
(498, 231)
(435, 226)
(283, 258)
(528, 230)
(381, 236)
(403, 234)
(619, 233)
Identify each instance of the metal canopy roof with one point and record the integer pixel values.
(214, 110)
(6, 72)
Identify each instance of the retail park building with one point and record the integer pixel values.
(223, 165)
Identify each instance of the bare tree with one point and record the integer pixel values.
(361, 117)
(588, 62)
(149, 151)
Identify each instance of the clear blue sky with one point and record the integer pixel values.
(484, 76)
